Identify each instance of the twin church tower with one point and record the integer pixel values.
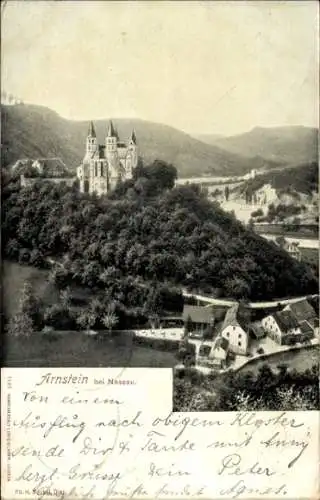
(104, 165)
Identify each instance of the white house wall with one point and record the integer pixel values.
(238, 339)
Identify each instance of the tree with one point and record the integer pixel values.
(186, 352)
(281, 241)
(237, 288)
(65, 298)
(20, 325)
(110, 319)
(87, 319)
(59, 276)
(28, 303)
(36, 258)
(161, 175)
(58, 316)
(154, 320)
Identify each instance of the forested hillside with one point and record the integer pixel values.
(303, 178)
(290, 145)
(34, 131)
(146, 230)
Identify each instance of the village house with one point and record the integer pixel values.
(45, 169)
(200, 319)
(303, 311)
(233, 331)
(292, 247)
(213, 355)
(202, 355)
(219, 352)
(265, 195)
(283, 327)
(306, 330)
(256, 330)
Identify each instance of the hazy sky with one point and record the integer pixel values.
(203, 67)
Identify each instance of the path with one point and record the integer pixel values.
(250, 305)
(223, 302)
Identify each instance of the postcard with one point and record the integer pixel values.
(108, 433)
(160, 244)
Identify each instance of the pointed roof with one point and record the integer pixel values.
(91, 131)
(111, 130)
(133, 137)
(231, 317)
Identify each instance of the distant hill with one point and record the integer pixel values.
(35, 131)
(291, 145)
(209, 138)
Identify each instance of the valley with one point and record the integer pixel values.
(92, 286)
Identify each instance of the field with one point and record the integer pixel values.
(68, 348)
(14, 276)
(77, 349)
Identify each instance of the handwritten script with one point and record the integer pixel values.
(107, 433)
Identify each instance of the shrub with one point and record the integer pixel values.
(257, 213)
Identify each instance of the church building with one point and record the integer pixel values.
(104, 165)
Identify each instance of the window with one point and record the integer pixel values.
(240, 335)
(239, 343)
(234, 328)
(228, 334)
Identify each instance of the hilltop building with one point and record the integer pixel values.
(103, 165)
(51, 170)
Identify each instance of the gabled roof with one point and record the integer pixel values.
(133, 137)
(197, 314)
(53, 167)
(91, 131)
(221, 343)
(231, 317)
(306, 327)
(303, 310)
(257, 329)
(285, 320)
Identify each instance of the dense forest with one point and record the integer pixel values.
(267, 390)
(145, 232)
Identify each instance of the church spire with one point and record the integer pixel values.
(133, 137)
(111, 130)
(91, 131)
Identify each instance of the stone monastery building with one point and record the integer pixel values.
(103, 165)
